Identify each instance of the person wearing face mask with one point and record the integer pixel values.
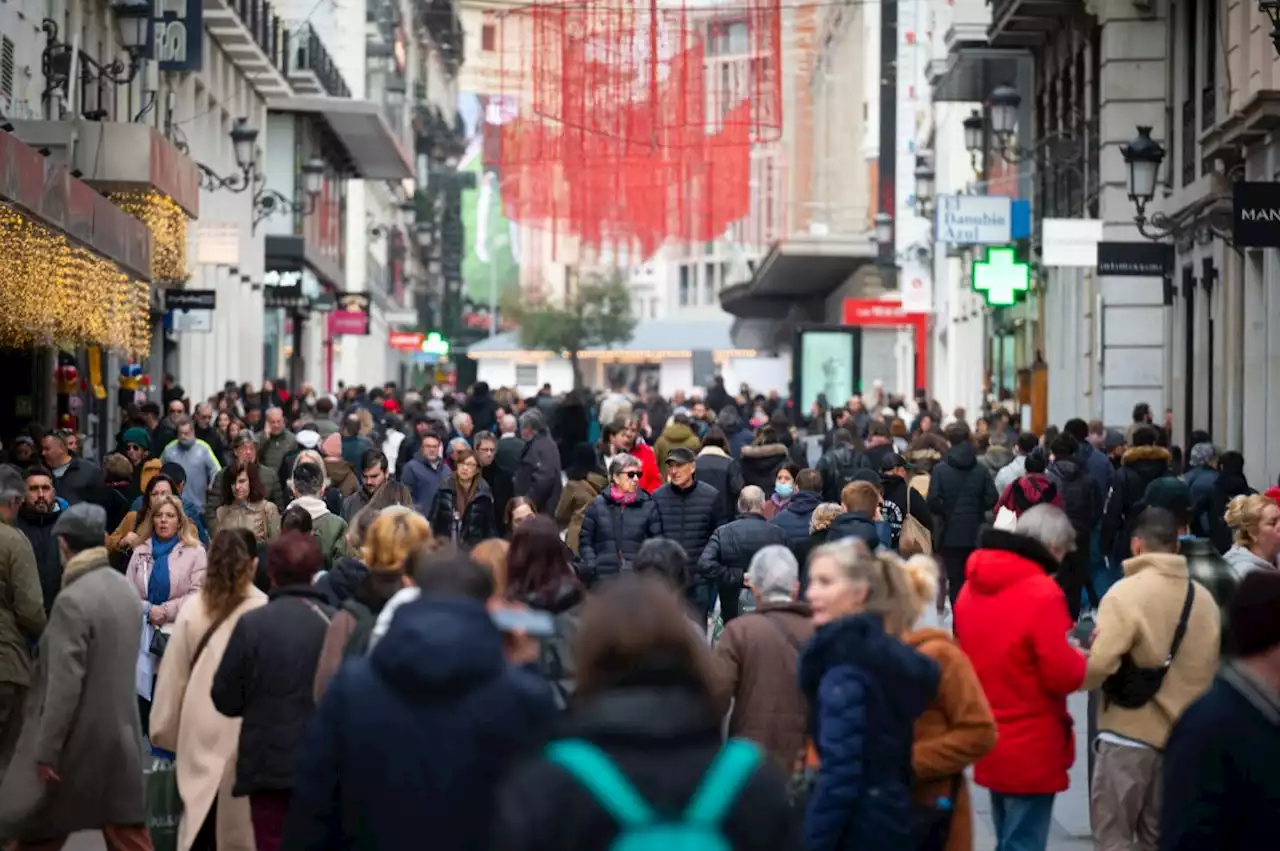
(195, 457)
(784, 487)
(463, 510)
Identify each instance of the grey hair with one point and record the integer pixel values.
(274, 409)
(1049, 525)
(998, 438)
(508, 423)
(12, 485)
(459, 418)
(533, 421)
(458, 443)
(774, 574)
(183, 420)
(750, 500)
(204, 406)
(620, 462)
(483, 437)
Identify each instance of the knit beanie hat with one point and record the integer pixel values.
(138, 437)
(1255, 613)
(1201, 454)
(1173, 495)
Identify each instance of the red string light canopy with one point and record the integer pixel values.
(638, 117)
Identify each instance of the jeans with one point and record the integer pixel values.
(1022, 821)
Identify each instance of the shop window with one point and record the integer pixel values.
(686, 286)
(526, 375)
(488, 38)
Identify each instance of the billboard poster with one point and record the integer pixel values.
(491, 264)
(826, 367)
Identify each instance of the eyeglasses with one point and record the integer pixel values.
(631, 474)
(133, 447)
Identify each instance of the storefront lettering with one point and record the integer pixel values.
(176, 43)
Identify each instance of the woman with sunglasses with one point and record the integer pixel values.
(617, 523)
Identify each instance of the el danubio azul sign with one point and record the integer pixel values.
(974, 219)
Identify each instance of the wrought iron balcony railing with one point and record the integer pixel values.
(312, 68)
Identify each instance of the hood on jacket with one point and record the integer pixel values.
(713, 450)
(1243, 561)
(661, 711)
(996, 458)
(312, 505)
(598, 482)
(1148, 461)
(439, 645)
(962, 457)
(678, 433)
(1065, 470)
(1003, 559)
(766, 450)
(803, 502)
(910, 680)
(854, 524)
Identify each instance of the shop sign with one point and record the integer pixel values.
(1135, 259)
(1001, 278)
(190, 299)
(866, 311)
(218, 243)
(974, 219)
(176, 40)
(1256, 214)
(406, 341)
(1070, 242)
(352, 315)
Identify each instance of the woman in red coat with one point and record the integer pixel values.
(650, 476)
(1011, 619)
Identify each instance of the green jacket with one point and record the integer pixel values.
(22, 617)
(676, 434)
(332, 532)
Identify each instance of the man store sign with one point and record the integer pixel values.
(974, 220)
(1256, 215)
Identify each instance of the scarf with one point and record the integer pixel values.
(619, 497)
(465, 494)
(158, 588)
(779, 502)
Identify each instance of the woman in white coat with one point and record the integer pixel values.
(183, 718)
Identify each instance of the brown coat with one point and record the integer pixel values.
(955, 731)
(576, 497)
(758, 656)
(184, 720)
(342, 476)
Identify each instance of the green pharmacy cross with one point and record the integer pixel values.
(1001, 278)
(434, 344)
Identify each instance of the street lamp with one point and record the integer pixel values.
(1272, 10)
(313, 176)
(268, 202)
(132, 19)
(973, 127)
(1004, 102)
(1143, 156)
(884, 228)
(243, 138)
(243, 141)
(925, 179)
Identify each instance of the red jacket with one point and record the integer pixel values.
(1032, 489)
(1011, 619)
(650, 475)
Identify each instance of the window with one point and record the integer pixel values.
(685, 286)
(526, 375)
(488, 38)
(724, 275)
(6, 70)
(709, 282)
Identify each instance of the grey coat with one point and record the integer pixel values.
(82, 712)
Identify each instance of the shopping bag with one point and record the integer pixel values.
(164, 805)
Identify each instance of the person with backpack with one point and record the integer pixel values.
(395, 534)
(1030, 489)
(1142, 463)
(639, 763)
(1079, 499)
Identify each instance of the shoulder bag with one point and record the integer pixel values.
(1133, 686)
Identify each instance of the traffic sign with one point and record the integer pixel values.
(1001, 278)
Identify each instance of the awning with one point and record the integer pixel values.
(803, 268)
(372, 151)
(1029, 23)
(971, 71)
(284, 252)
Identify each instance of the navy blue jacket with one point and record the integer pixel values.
(795, 516)
(416, 736)
(865, 691)
(856, 524)
(1097, 465)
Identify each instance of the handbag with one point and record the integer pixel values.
(159, 642)
(915, 538)
(931, 823)
(164, 804)
(1133, 686)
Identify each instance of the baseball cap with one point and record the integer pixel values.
(680, 455)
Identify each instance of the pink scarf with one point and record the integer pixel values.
(618, 496)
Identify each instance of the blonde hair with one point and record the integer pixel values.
(922, 578)
(492, 554)
(187, 533)
(888, 592)
(395, 534)
(823, 515)
(1244, 516)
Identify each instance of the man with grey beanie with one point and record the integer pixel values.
(78, 763)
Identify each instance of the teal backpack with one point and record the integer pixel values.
(698, 829)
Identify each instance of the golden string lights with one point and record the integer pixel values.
(52, 290)
(168, 225)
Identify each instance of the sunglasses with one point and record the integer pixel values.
(133, 447)
(631, 474)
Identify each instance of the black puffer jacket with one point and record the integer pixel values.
(729, 552)
(1139, 467)
(689, 515)
(612, 533)
(723, 473)
(1079, 494)
(37, 526)
(341, 581)
(961, 492)
(837, 468)
(478, 521)
(266, 677)
(760, 465)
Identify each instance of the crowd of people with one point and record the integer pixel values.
(610, 620)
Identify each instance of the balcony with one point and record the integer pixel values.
(312, 70)
(1188, 130)
(436, 134)
(255, 39)
(1029, 23)
(440, 18)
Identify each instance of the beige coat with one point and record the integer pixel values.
(1139, 615)
(184, 721)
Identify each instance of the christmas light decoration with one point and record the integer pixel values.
(167, 223)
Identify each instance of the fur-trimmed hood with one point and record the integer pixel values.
(765, 450)
(1149, 462)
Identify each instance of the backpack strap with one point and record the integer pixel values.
(724, 780)
(1181, 630)
(595, 772)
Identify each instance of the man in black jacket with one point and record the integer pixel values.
(900, 499)
(1080, 501)
(961, 492)
(838, 465)
(729, 552)
(539, 475)
(688, 511)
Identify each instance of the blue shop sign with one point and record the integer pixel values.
(176, 40)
